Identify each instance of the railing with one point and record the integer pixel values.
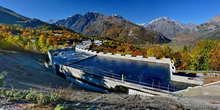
(191, 71)
(109, 74)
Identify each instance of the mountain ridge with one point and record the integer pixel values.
(113, 27)
(169, 27)
(158, 30)
(8, 16)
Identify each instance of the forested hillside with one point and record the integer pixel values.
(39, 40)
(204, 55)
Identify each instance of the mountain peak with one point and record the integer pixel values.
(163, 19)
(216, 19)
(169, 27)
(211, 25)
(76, 15)
(118, 16)
(94, 13)
(113, 27)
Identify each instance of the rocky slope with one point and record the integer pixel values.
(8, 16)
(112, 27)
(186, 33)
(170, 27)
(211, 25)
(211, 35)
(210, 30)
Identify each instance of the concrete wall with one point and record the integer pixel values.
(135, 92)
(85, 85)
(138, 58)
(101, 81)
(51, 53)
(105, 81)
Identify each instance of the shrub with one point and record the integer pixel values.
(33, 96)
(54, 97)
(2, 77)
(59, 107)
(43, 99)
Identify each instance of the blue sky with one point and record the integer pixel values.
(137, 11)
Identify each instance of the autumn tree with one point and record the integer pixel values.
(160, 51)
(200, 55)
(42, 41)
(214, 59)
(155, 51)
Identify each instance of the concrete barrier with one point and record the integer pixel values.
(139, 58)
(128, 56)
(108, 53)
(117, 55)
(50, 56)
(135, 92)
(109, 83)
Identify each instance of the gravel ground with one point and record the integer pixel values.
(209, 95)
(119, 102)
(7, 105)
(24, 72)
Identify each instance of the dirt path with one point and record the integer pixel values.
(206, 95)
(24, 72)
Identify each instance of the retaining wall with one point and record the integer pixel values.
(139, 58)
(109, 83)
(105, 81)
(51, 53)
(130, 57)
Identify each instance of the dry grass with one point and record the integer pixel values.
(215, 102)
(38, 107)
(211, 79)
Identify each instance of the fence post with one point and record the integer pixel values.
(168, 87)
(122, 77)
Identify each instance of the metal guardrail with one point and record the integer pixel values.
(102, 72)
(191, 71)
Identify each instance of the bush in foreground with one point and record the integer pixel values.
(30, 95)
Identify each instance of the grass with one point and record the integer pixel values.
(30, 96)
(60, 107)
(2, 77)
(195, 72)
(35, 100)
(8, 46)
(4, 45)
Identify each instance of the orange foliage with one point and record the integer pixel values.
(214, 60)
